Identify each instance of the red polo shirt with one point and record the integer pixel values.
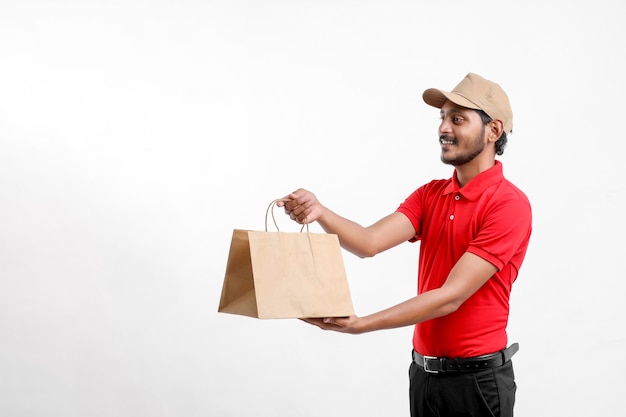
(489, 217)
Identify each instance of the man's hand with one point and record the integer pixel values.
(349, 325)
(301, 206)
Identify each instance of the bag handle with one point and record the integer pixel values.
(270, 208)
(306, 223)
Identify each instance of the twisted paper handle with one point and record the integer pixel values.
(306, 223)
(270, 208)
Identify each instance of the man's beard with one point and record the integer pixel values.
(477, 146)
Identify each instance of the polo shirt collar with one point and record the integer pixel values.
(478, 184)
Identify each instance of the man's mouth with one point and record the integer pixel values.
(446, 140)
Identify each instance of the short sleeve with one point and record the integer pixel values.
(504, 233)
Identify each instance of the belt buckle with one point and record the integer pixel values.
(427, 367)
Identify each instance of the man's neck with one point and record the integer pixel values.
(466, 172)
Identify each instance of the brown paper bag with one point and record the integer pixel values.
(285, 275)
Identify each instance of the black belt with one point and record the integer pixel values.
(435, 365)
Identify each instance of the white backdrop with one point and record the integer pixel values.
(135, 135)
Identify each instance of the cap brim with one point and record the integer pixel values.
(437, 98)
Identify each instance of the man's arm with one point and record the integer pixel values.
(469, 274)
(302, 206)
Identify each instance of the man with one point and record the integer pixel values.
(473, 230)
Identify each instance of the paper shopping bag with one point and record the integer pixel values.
(285, 275)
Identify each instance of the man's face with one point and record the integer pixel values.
(461, 134)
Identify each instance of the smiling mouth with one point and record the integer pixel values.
(444, 140)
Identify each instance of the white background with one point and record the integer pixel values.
(135, 135)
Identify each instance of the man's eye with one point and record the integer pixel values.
(457, 119)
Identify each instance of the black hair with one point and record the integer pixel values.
(501, 142)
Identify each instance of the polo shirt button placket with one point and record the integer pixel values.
(457, 198)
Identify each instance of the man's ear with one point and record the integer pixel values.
(496, 127)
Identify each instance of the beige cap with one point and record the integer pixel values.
(475, 92)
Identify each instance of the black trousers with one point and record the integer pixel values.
(488, 393)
